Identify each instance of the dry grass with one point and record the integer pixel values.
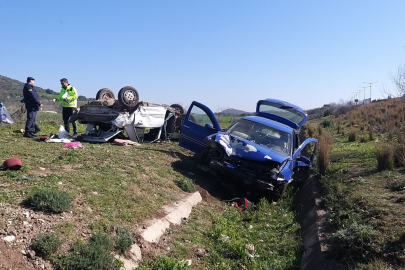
(352, 135)
(325, 148)
(385, 157)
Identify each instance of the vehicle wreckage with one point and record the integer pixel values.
(140, 121)
(264, 150)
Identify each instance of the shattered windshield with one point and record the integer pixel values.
(272, 138)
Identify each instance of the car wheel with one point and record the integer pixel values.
(104, 94)
(128, 97)
(178, 108)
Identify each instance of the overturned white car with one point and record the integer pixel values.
(140, 121)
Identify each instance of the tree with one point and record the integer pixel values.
(399, 80)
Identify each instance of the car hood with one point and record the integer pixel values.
(241, 148)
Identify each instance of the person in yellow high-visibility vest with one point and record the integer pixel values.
(68, 96)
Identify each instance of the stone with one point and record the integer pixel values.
(9, 238)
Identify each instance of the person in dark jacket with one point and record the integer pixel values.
(32, 104)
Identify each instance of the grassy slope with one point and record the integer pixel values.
(367, 217)
(123, 186)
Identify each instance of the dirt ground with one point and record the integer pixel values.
(12, 259)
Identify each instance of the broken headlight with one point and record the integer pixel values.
(276, 175)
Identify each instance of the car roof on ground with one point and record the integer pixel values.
(270, 123)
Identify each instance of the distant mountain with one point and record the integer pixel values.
(235, 112)
(11, 90)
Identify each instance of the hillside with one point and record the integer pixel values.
(362, 161)
(11, 91)
(235, 112)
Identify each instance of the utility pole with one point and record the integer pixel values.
(364, 89)
(370, 87)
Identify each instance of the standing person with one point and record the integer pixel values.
(32, 104)
(68, 96)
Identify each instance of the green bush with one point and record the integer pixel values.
(46, 244)
(185, 185)
(95, 255)
(397, 185)
(50, 200)
(356, 239)
(123, 240)
(164, 263)
(327, 123)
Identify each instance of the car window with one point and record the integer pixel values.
(282, 111)
(199, 117)
(272, 138)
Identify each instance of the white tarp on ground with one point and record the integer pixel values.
(144, 117)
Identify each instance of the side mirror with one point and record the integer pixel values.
(208, 126)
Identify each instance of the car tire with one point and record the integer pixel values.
(128, 97)
(278, 192)
(178, 108)
(104, 94)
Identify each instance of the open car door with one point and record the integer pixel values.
(305, 157)
(199, 123)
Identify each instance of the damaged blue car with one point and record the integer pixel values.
(264, 151)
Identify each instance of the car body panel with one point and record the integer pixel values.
(199, 123)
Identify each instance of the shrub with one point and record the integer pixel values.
(320, 130)
(356, 239)
(97, 254)
(327, 123)
(50, 200)
(363, 139)
(310, 130)
(123, 240)
(185, 185)
(384, 155)
(325, 148)
(164, 263)
(46, 244)
(339, 128)
(352, 135)
(399, 155)
(397, 185)
(370, 133)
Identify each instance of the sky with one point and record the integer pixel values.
(222, 53)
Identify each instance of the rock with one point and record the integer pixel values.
(250, 247)
(25, 223)
(59, 183)
(94, 192)
(26, 214)
(9, 238)
(31, 254)
(42, 168)
(14, 233)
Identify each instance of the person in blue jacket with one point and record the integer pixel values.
(32, 104)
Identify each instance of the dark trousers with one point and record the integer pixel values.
(67, 112)
(30, 125)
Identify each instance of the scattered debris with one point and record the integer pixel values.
(125, 142)
(13, 163)
(73, 145)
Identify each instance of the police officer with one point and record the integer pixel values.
(68, 96)
(32, 104)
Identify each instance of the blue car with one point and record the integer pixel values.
(263, 151)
